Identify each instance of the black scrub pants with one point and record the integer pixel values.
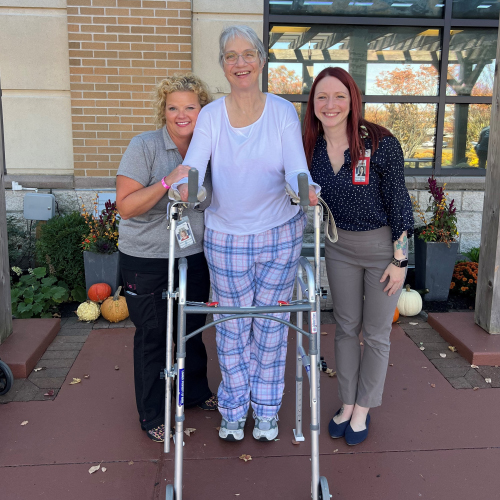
(145, 279)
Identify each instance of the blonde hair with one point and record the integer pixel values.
(177, 83)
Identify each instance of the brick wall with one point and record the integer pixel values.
(118, 50)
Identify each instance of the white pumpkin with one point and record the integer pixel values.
(88, 311)
(410, 302)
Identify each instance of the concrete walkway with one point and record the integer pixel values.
(428, 440)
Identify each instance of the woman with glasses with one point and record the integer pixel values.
(253, 234)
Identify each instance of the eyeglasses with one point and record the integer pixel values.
(249, 56)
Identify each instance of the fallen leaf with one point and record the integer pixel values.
(86, 376)
(413, 323)
(49, 392)
(442, 354)
(75, 381)
(131, 462)
(422, 348)
(433, 385)
(474, 366)
(104, 469)
(328, 371)
(117, 367)
(398, 322)
(295, 442)
(277, 439)
(333, 374)
(25, 422)
(38, 369)
(189, 430)
(475, 388)
(94, 468)
(424, 366)
(217, 429)
(324, 333)
(421, 343)
(246, 458)
(452, 348)
(391, 364)
(487, 380)
(335, 451)
(56, 315)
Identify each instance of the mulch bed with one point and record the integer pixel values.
(454, 302)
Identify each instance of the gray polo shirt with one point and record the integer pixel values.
(149, 157)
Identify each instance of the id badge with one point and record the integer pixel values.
(361, 174)
(184, 233)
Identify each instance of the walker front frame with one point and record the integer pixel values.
(308, 288)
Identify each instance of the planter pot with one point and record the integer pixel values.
(434, 264)
(102, 268)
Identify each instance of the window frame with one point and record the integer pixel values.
(446, 24)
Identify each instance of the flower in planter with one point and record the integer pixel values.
(442, 225)
(464, 281)
(102, 236)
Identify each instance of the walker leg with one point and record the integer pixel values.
(297, 432)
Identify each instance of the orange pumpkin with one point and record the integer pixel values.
(99, 292)
(115, 309)
(396, 315)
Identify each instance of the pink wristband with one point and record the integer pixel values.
(164, 184)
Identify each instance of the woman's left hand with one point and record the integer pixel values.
(313, 198)
(396, 277)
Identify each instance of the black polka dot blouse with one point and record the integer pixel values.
(384, 201)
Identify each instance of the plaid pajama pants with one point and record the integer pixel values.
(253, 270)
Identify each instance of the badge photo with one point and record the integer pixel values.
(361, 174)
(184, 233)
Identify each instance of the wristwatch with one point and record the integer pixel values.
(399, 263)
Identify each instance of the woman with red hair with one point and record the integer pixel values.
(360, 168)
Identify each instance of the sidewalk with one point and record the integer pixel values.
(428, 440)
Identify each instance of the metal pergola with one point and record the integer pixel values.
(436, 41)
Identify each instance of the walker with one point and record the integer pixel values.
(308, 301)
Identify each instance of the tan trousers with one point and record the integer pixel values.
(355, 264)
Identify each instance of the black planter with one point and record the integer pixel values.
(102, 268)
(434, 263)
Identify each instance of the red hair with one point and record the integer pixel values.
(355, 121)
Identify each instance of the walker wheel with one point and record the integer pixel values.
(323, 490)
(6, 378)
(170, 492)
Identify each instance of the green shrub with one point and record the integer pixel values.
(21, 242)
(60, 248)
(473, 254)
(36, 295)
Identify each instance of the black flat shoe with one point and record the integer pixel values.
(352, 438)
(337, 431)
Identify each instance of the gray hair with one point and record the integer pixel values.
(245, 32)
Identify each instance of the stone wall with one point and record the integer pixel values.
(34, 74)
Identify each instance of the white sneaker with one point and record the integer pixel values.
(232, 431)
(266, 429)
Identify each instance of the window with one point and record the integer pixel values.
(425, 69)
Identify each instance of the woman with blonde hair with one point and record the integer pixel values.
(150, 165)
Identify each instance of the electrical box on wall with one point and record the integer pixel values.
(39, 206)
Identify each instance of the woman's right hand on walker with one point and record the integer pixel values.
(313, 198)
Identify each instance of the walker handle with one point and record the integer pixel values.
(193, 185)
(303, 189)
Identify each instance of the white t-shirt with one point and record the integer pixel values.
(249, 166)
